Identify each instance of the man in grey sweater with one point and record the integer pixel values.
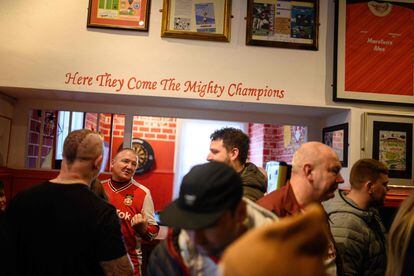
(355, 222)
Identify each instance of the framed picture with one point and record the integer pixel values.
(374, 52)
(119, 14)
(337, 138)
(5, 131)
(389, 139)
(203, 20)
(283, 24)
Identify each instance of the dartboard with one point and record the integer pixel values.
(145, 155)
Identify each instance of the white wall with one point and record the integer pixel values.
(42, 44)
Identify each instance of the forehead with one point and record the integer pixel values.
(332, 160)
(217, 144)
(126, 154)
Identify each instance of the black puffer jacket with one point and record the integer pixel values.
(254, 182)
(359, 236)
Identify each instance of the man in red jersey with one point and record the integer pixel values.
(133, 203)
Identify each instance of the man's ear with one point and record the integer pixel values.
(307, 171)
(98, 162)
(234, 154)
(368, 186)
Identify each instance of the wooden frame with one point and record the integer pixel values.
(284, 24)
(373, 59)
(119, 14)
(199, 20)
(5, 133)
(337, 138)
(389, 139)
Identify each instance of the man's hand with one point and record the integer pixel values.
(140, 224)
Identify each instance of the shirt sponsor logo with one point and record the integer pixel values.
(123, 215)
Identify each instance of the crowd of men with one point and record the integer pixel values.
(222, 223)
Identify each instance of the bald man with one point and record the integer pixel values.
(60, 227)
(315, 177)
(133, 203)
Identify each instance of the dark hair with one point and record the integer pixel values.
(233, 138)
(98, 189)
(366, 170)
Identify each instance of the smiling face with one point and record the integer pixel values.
(124, 165)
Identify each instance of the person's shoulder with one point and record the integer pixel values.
(35, 191)
(139, 188)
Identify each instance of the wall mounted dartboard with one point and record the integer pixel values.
(145, 155)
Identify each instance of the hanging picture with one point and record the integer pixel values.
(208, 20)
(374, 53)
(337, 138)
(119, 14)
(283, 24)
(388, 138)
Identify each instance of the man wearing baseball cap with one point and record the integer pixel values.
(209, 214)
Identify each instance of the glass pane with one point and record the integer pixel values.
(62, 132)
(77, 121)
(35, 124)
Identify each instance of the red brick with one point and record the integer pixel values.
(167, 130)
(149, 135)
(171, 137)
(155, 130)
(161, 136)
(144, 129)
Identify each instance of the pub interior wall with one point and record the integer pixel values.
(41, 45)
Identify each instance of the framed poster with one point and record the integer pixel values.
(283, 24)
(374, 51)
(389, 139)
(202, 20)
(392, 146)
(337, 138)
(119, 14)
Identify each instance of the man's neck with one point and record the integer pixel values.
(359, 198)
(302, 192)
(238, 167)
(70, 178)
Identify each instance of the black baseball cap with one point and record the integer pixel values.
(206, 192)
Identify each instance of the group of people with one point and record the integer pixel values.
(222, 223)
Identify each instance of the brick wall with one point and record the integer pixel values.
(274, 142)
(256, 134)
(91, 121)
(154, 128)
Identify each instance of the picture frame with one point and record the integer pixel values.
(337, 138)
(389, 139)
(372, 50)
(5, 133)
(283, 24)
(197, 20)
(119, 14)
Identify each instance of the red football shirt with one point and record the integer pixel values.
(130, 199)
(379, 48)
